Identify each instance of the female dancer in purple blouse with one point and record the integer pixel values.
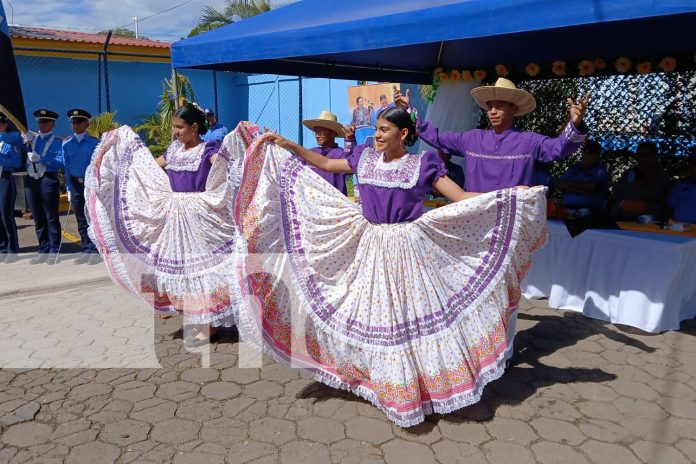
(406, 309)
(165, 225)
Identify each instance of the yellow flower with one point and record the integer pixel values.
(479, 75)
(644, 67)
(558, 68)
(501, 70)
(600, 64)
(668, 64)
(466, 76)
(532, 69)
(622, 64)
(455, 75)
(586, 67)
(444, 77)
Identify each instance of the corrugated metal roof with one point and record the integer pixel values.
(23, 32)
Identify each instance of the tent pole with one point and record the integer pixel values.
(439, 55)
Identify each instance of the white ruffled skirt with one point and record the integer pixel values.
(175, 250)
(413, 317)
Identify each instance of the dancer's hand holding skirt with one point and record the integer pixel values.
(412, 316)
(175, 250)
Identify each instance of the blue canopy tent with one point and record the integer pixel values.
(404, 40)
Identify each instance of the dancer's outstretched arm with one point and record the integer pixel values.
(452, 191)
(315, 159)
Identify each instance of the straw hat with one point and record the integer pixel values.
(327, 120)
(504, 90)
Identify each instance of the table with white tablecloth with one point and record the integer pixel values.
(640, 279)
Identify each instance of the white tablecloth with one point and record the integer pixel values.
(639, 279)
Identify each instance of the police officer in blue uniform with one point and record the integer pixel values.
(77, 154)
(216, 131)
(42, 187)
(11, 148)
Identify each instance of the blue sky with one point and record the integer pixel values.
(94, 16)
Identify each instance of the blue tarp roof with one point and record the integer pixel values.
(404, 40)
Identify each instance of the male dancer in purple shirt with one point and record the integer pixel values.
(504, 156)
(326, 128)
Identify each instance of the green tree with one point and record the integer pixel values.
(157, 127)
(123, 32)
(212, 18)
(103, 122)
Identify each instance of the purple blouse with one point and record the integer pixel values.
(188, 169)
(335, 179)
(394, 192)
(497, 161)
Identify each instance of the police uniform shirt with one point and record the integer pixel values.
(10, 150)
(53, 159)
(77, 154)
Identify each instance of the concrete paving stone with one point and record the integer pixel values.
(273, 431)
(603, 430)
(224, 431)
(426, 433)
(599, 410)
(294, 388)
(640, 408)
(684, 427)
(304, 452)
(601, 453)
(650, 430)
(671, 389)
(635, 390)
(555, 409)
(105, 417)
(511, 430)
(234, 407)
(277, 410)
(279, 373)
(86, 436)
(221, 390)
(263, 390)
(198, 458)
(400, 451)
(558, 431)
(125, 432)
(211, 448)
(449, 452)
(553, 453)
(685, 409)
(464, 432)
(327, 407)
(370, 430)
(650, 453)
(153, 410)
(177, 391)
(93, 453)
(26, 434)
(594, 391)
(320, 429)
(200, 375)
(688, 447)
(241, 376)
(175, 431)
(200, 410)
(134, 391)
(501, 452)
(84, 392)
(522, 411)
(351, 451)
(250, 451)
(163, 453)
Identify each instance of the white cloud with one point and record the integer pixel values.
(93, 16)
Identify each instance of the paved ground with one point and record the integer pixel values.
(89, 376)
